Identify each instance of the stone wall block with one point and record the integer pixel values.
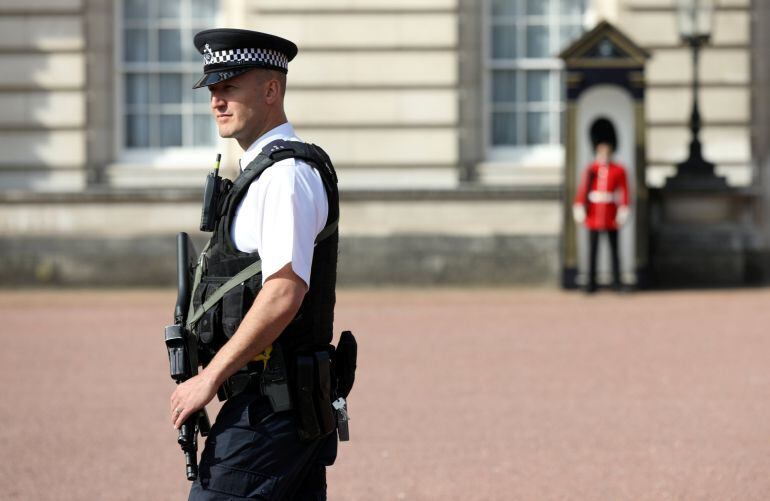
(374, 69)
(716, 104)
(352, 5)
(36, 6)
(41, 33)
(401, 146)
(46, 71)
(49, 149)
(720, 144)
(354, 31)
(383, 106)
(42, 109)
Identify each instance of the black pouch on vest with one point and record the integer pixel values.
(345, 363)
(309, 428)
(235, 304)
(209, 322)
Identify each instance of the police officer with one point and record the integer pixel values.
(284, 216)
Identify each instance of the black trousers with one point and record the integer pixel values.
(253, 453)
(593, 236)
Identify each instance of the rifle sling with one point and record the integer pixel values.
(242, 276)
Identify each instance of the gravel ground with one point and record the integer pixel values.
(501, 394)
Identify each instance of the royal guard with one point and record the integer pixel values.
(601, 203)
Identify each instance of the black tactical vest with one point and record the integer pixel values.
(311, 329)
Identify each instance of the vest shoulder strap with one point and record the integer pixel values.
(281, 149)
(252, 171)
(274, 152)
(311, 153)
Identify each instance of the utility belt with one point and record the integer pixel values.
(310, 384)
(249, 379)
(313, 382)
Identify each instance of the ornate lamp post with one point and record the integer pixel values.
(695, 26)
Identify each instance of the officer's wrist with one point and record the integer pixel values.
(212, 376)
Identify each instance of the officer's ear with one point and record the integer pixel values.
(275, 86)
(272, 91)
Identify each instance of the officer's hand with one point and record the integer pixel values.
(191, 396)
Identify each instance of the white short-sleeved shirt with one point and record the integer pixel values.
(282, 212)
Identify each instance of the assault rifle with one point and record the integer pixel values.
(183, 354)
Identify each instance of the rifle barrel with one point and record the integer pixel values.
(183, 276)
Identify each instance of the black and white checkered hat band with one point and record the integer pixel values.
(266, 56)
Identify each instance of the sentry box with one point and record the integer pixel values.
(605, 80)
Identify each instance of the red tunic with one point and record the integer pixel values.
(601, 199)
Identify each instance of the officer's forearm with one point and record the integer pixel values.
(275, 306)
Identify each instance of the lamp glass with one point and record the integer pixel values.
(696, 18)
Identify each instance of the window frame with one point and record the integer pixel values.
(544, 154)
(157, 156)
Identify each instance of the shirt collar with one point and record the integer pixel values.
(283, 131)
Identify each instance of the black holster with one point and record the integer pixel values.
(313, 391)
(321, 378)
(344, 363)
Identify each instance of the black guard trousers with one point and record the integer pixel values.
(612, 235)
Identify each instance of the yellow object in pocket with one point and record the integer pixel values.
(264, 356)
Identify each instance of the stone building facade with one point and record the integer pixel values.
(444, 118)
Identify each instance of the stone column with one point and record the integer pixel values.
(760, 54)
(100, 86)
(471, 93)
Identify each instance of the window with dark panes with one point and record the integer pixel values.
(524, 74)
(158, 67)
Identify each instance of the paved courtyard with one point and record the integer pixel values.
(489, 394)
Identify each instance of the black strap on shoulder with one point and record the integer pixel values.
(241, 184)
(274, 152)
(282, 149)
(311, 153)
(252, 171)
